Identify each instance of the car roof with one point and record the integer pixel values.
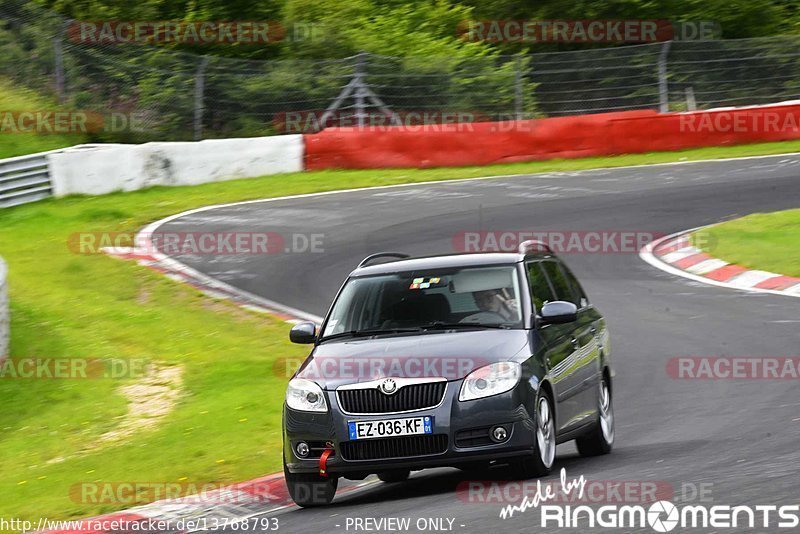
(446, 261)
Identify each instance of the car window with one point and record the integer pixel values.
(471, 295)
(540, 289)
(579, 296)
(563, 291)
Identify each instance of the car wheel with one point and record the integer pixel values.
(394, 476)
(309, 489)
(540, 463)
(601, 439)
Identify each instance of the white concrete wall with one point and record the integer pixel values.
(97, 170)
(4, 313)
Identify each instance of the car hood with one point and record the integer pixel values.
(452, 355)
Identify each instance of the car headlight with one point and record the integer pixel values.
(490, 380)
(305, 396)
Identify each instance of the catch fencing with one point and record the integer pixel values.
(157, 93)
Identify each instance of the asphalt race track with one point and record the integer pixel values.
(739, 436)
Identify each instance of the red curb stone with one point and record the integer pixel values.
(723, 274)
(778, 282)
(694, 259)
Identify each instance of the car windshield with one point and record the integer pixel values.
(462, 297)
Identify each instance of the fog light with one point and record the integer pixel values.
(499, 434)
(302, 449)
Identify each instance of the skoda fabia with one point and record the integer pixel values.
(461, 360)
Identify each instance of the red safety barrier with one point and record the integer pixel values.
(453, 145)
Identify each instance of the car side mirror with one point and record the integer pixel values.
(303, 333)
(558, 312)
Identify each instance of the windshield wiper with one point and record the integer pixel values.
(444, 326)
(431, 326)
(372, 332)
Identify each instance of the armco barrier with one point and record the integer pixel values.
(24, 179)
(103, 169)
(100, 169)
(564, 137)
(4, 313)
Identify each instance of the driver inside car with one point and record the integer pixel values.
(496, 301)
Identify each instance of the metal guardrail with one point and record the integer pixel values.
(25, 179)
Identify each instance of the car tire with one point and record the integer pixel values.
(309, 489)
(601, 439)
(394, 476)
(540, 463)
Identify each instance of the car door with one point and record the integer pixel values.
(586, 364)
(559, 349)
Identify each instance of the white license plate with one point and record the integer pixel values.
(390, 427)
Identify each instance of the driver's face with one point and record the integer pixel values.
(487, 300)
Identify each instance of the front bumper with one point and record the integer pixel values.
(451, 418)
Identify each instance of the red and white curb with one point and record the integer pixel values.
(676, 255)
(222, 506)
(219, 509)
(146, 255)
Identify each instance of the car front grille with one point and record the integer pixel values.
(408, 398)
(400, 447)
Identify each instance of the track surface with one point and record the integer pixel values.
(740, 436)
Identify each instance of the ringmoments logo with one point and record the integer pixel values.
(664, 516)
(660, 516)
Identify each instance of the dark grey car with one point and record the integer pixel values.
(458, 360)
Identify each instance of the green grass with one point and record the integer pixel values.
(765, 241)
(226, 426)
(14, 98)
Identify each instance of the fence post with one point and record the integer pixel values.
(199, 88)
(691, 103)
(518, 95)
(663, 88)
(361, 62)
(360, 92)
(58, 59)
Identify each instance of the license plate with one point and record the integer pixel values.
(390, 427)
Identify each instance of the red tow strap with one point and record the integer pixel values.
(323, 462)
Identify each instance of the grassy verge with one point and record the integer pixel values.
(15, 99)
(765, 241)
(226, 424)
